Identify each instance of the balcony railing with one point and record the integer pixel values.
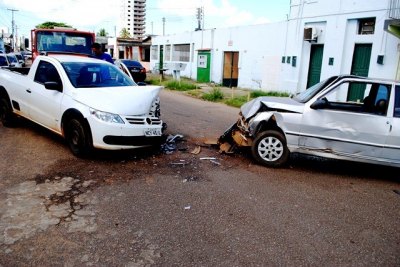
(394, 9)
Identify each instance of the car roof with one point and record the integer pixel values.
(368, 79)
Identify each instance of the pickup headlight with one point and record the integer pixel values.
(106, 117)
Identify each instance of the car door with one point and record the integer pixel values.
(391, 151)
(45, 103)
(347, 128)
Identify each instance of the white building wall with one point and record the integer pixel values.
(261, 47)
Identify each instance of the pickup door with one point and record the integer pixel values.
(44, 104)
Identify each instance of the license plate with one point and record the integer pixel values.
(152, 132)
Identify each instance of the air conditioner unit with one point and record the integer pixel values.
(310, 34)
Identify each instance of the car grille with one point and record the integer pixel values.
(143, 121)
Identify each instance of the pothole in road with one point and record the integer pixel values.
(63, 196)
(30, 207)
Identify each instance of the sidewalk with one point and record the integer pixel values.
(203, 88)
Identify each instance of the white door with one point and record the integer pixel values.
(45, 103)
(347, 128)
(391, 151)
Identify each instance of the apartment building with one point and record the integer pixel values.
(133, 18)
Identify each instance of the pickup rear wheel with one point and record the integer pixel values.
(270, 149)
(78, 138)
(7, 117)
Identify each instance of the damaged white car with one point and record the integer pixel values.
(90, 102)
(344, 117)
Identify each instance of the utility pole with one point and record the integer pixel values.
(163, 21)
(12, 26)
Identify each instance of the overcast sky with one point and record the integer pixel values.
(92, 15)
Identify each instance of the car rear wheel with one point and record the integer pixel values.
(78, 138)
(270, 149)
(7, 117)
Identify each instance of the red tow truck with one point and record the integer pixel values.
(61, 40)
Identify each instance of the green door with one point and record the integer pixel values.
(359, 67)
(314, 70)
(203, 66)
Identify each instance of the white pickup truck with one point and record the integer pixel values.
(91, 103)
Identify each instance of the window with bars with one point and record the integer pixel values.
(167, 53)
(154, 52)
(181, 52)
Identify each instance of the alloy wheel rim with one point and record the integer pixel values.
(270, 149)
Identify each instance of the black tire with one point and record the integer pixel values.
(7, 116)
(270, 149)
(78, 138)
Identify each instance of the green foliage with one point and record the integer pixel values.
(236, 101)
(102, 32)
(179, 86)
(195, 93)
(215, 95)
(257, 93)
(124, 33)
(51, 25)
(153, 81)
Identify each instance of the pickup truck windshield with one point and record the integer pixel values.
(82, 74)
(64, 42)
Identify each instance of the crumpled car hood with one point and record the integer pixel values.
(124, 100)
(249, 109)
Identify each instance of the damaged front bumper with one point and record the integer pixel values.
(238, 135)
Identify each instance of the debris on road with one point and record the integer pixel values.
(196, 150)
(170, 144)
(215, 162)
(207, 158)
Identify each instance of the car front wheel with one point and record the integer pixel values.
(270, 149)
(78, 138)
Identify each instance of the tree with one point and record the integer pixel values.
(124, 33)
(51, 25)
(102, 32)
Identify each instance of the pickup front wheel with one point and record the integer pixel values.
(78, 138)
(7, 117)
(270, 149)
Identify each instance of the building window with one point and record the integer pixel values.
(167, 53)
(366, 26)
(154, 52)
(181, 52)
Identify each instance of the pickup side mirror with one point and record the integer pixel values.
(141, 83)
(320, 104)
(56, 86)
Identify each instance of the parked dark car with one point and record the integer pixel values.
(136, 70)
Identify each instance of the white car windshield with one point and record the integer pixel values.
(83, 74)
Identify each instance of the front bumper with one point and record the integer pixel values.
(132, 134)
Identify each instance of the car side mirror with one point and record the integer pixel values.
(320, 104)
(56, 86)
(141, 83)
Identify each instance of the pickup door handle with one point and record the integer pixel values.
(29, 90)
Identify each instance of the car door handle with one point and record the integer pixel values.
(29, 90)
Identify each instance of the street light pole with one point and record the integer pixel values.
(12, 26)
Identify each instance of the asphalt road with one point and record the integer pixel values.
(147, 208)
